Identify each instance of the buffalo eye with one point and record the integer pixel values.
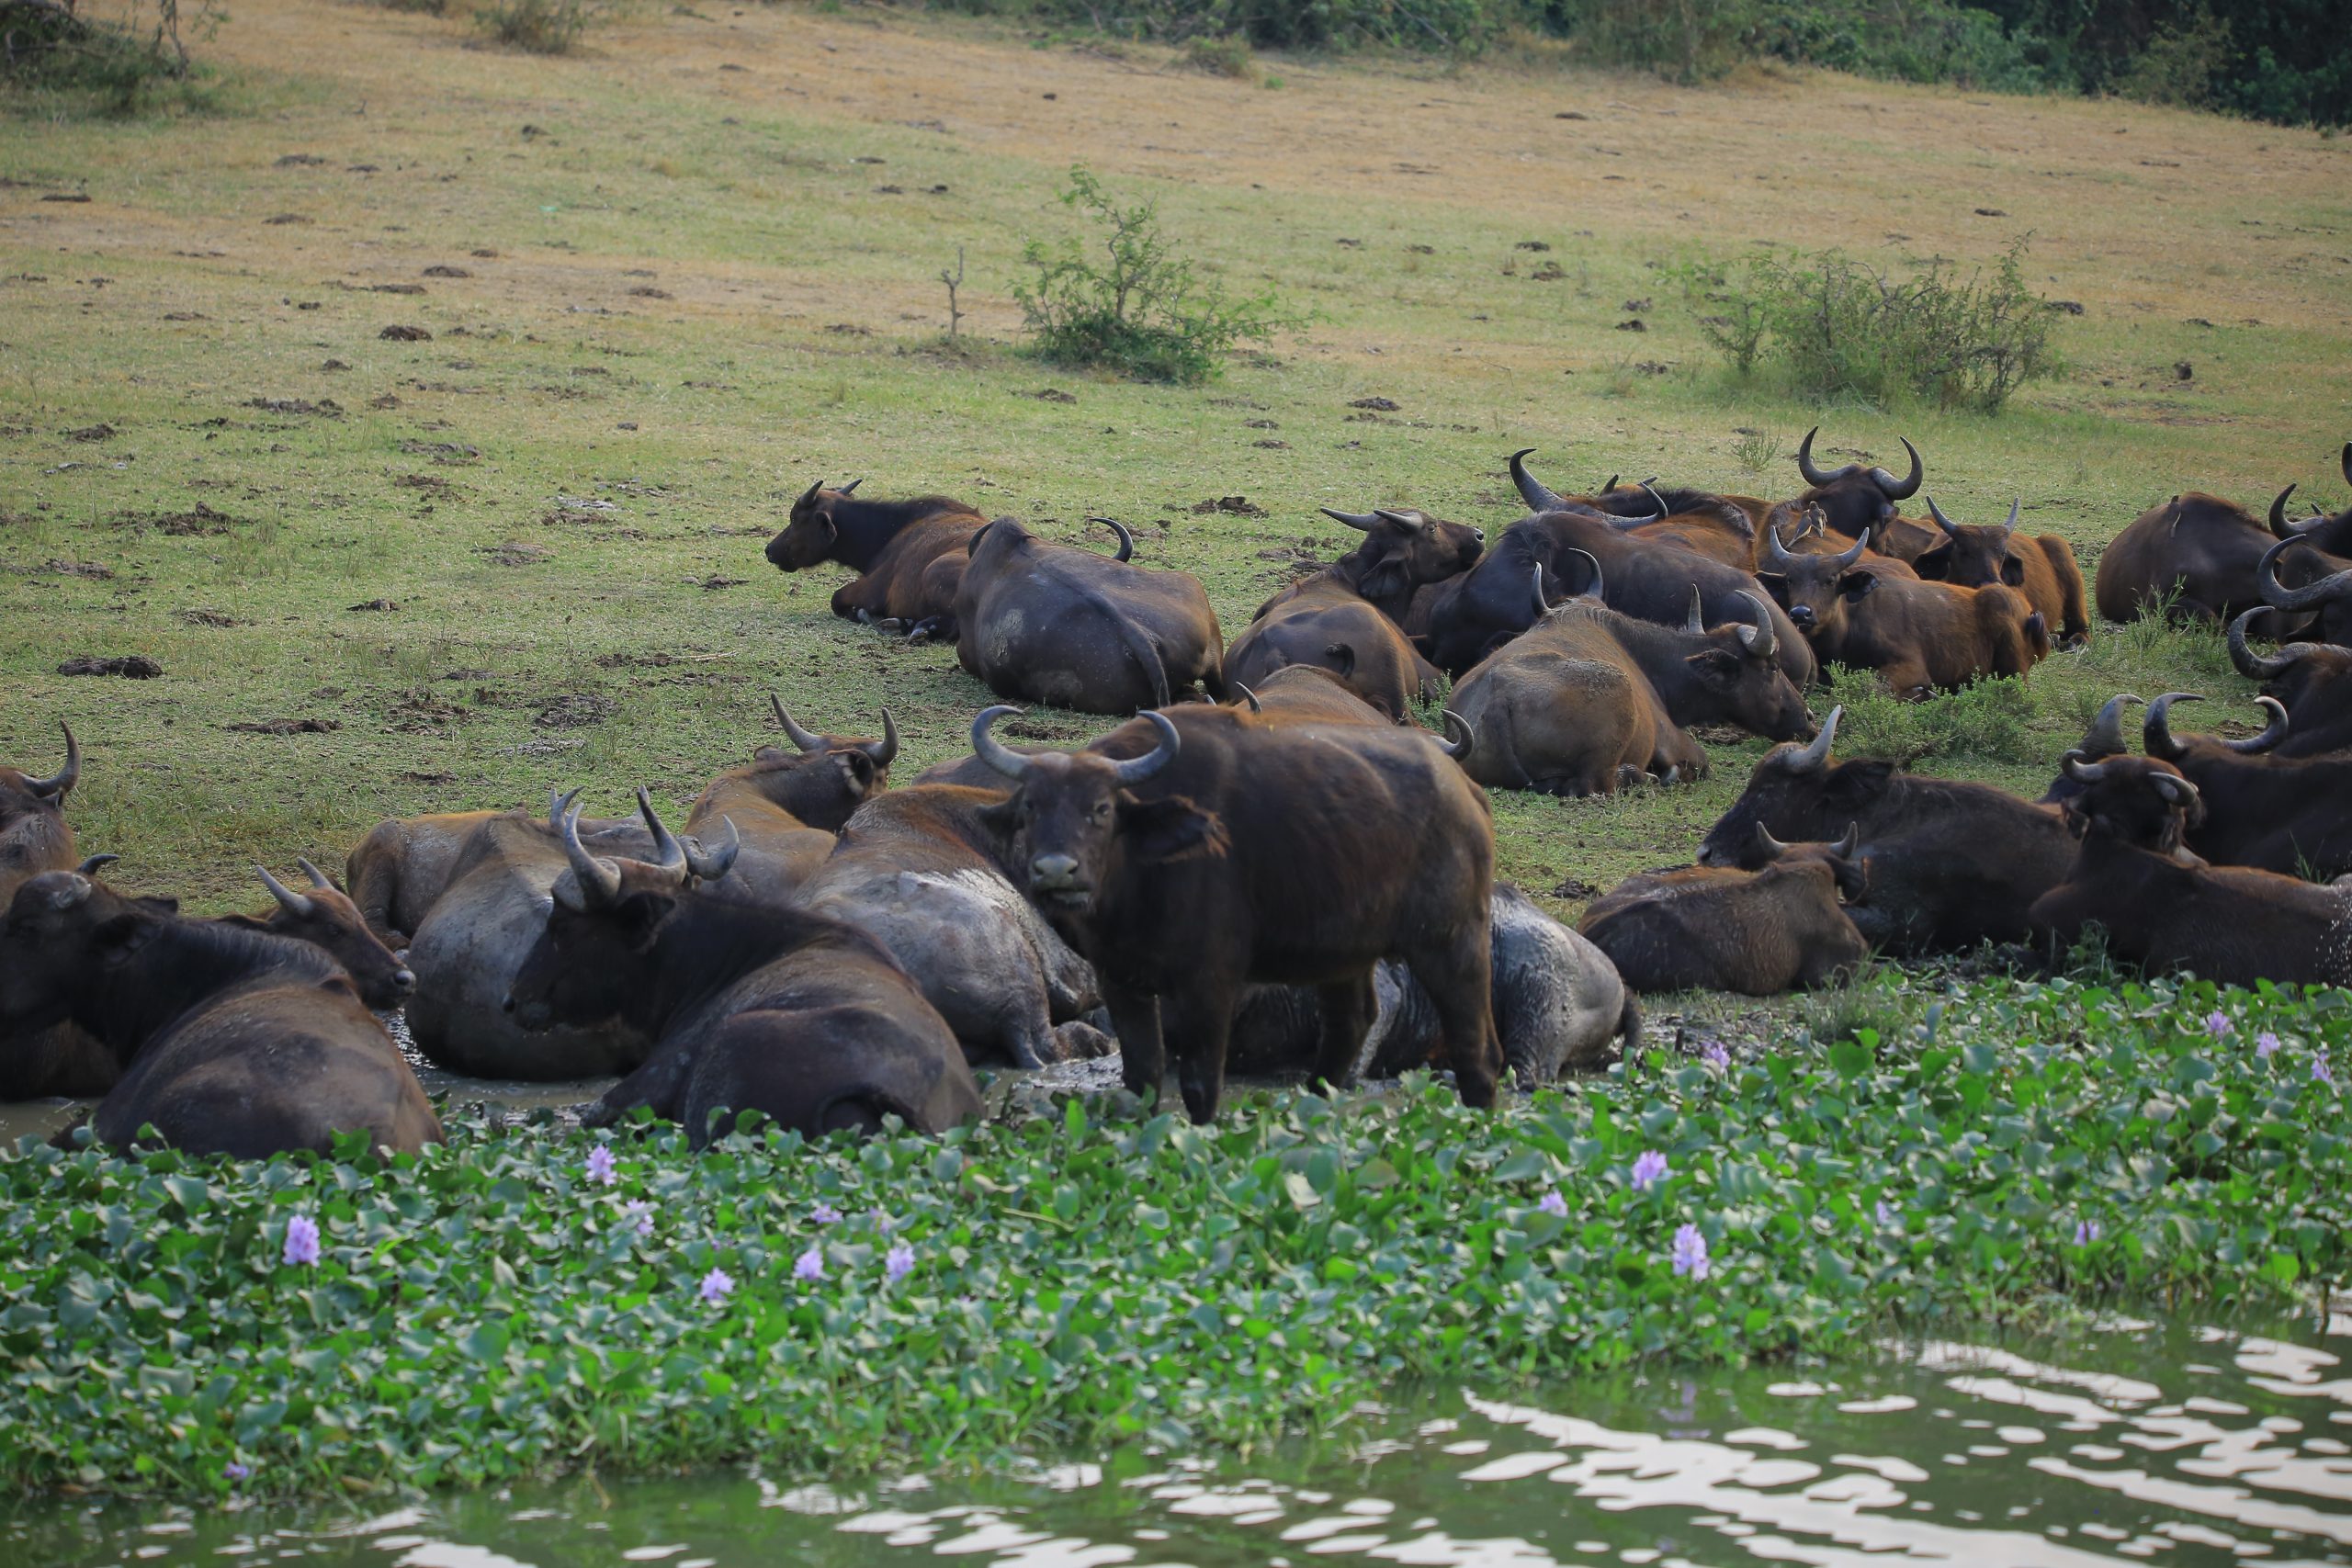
(1102, 812)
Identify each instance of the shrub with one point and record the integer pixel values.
(2180, 62)
(1832, 325)
(1222, 57)
(1143, 313)
(1992, 721)
(540, 27)
(53, 51)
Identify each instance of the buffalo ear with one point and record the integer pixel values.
(1716, 666)
(768, 754)
(1387, 579)
(1002, 820)
(2013, 571)
(163, 904)
(1172, 828)
(857, 772)
(640, 916)
(120, 938)
(1777, 584)
(1853, 877)
(1858, 585)
(1856, 785)
(1934, 566)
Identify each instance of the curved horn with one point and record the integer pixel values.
(1852, 841)
(802, 739)
(885, 750)
(1126, 540)
(599, 880)
(851, 488)
(1593, 590)
(672, 853)
(2311, 595)
(2156, 728)
(1457, 750)
(991, 750)
(2271, 735)
(1696, 621)
(1542, 609)
(1403, 520)
(710, 866)
(1136, 770)
(2105, 737)
(2081, 773)
(808, 495)
(95, 864)
(2011, 527)
(559, 801)
(1813, 474)
(319, 879)
(2176, 790)
(1605, 489)
(59, 784)
(78, 890)
(1811, 758)
(1771, 846)
(1656, 500)
(1362, 522)
(300, 904)
(1538, 499)
(2345, 462)
(1759, 640)
(1905, 489)
(2260, 666)
(1781, 557)
(1946, 524)
(1250, 697)
(1846, 560)
(2279, 526)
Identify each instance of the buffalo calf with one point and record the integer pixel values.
(1758, 933)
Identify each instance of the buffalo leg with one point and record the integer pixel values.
(1198, 1031)
(1347, 1009)
(1459, 977)
(1143, 1055)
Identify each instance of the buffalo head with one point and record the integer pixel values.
(824, 777)
(1973, 554)
(2140, 801)
(1798, 790)
(1742, 672)
(1851, 876)
(325, 918)
(1404, 547)
(2157, 739)
(1815, 591)
(1855, 499)
(22, 792)
(64, 933)
(810, 533)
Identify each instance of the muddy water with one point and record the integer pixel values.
(2134, 1443)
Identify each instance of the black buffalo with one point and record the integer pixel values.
(2283, 814)
(1856, 500)
(2313, 681)
(908, 555)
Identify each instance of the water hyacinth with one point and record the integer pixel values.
(1649, 1170)
(600, 1166)
(1691, 1254)
(641, 1213)
(809, 1265)
(899, 1263)
(1888, 1214)
(824, 1213)
(882, 1222)
(2265, 1044)
(2218, 1024)
(236, 1472)
(1554, 1205)
(717, 1286)
(2086, 1231)
(1715, 1054)
(2321, 1071)
(301, 1242)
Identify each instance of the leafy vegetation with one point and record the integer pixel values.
(55, 57)
(530, 1300)
(1141, 312)
(541, 26)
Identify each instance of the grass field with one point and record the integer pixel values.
(679, 275)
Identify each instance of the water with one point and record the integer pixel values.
(2134, 1443)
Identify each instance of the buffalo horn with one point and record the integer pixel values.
(1137, 769)
(599, 880)
(1538, 499)
(673, 853)
(991, 750)
(808, 495)
(1759, 640)
(59, 784)
(296, 904)
(1813, 473)
(1771, 846)
(2271, 735)
(2105, 736)
(1656, 500)
(1781, 557)
(1126, 540)
(1250, 697)
(2345, 462)
(95, 864)
(1942, 520)
(2261, 666)
(2156, 728)
(2011, 527)
(1609, 485)
(557, 801)
(2176, 790)
(851, 488)
(319, 879)
(710, 866)
(2279, 526)
(1542, 609)
(885, 750)
(1852, 841)
(1402, 519)
(1593, 589)
(2334, 585)
(78, 890)
(1458, 748)
(1847, 559)
(1362, 522)
(1696, 621)
(1812, 758)
(1905, 489)
(808, 743)
(2081, 773)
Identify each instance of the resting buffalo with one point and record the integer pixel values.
(2283, 814)
(784, 807)
(1720, 527)
(326, 919)
(1069, 628)
(228, 1040)
(908, 555)
(1348, 618)
(2201, 555)
(915, 871)
(2042, 569)
(2322, 608)
(34, 838)
(2103, 738)
(405, 864)
(1758, 933)
(1559, 1009)
(1856, 500)
(1920, 636)
(748, 1007)
(2162, 907)
(1188, 855)
(2313, 681)
(1949, 864)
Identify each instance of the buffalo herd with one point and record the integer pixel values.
(1270, 866)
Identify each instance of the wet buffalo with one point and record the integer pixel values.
(227, 1041)
(1187, 855)
(1920, 636)
(325, 918)
(1064, 627)
(783, 808)
(2042, 569)
(1856, 500)
(1781, 927)
(2283, 814)
(1949, 864)
(908, 555)
(2313, 681)
(915, 870)
(747, 1005)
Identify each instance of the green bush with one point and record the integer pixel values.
(117, 65)
(1831, 325)
(1990, 721)
(1222, 57)
(539, 27)
(1142, 313)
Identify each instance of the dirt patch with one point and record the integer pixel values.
(432, 483)
(284, 727)
(381, 606)
(1236, 505)
(449, 452)
(400, 334)
(92, 432)
(446, 271)
(575, 710)
(511, 554)
(130, 666)
(214, 618)
(86, 569)
(202, 522)
(327, 407)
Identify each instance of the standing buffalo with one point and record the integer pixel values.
(1188, 855)
(1856, 500)
(1920, 636)
(2313, 681)
(908, 555)
(1069, 628)
(2283, 814)
(228, 1040)
(2042, 569)
(1949, 864)
(748, 1007)
(1758, 933)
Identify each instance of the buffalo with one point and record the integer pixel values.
(2163, 908)
(2283, 814)
(326, 918)
(1856, 500)
(34, 838)
(748, 1007)
(784, 806)
(1783, 926)
(2199, 557)
(2103, 738)
(1920, 636)
(1949, 864)
(2042, 569)
(908, 555)
(2313, 681)
(1064, 627)
(227, 1041)
(2322, 608)
(405, 864)
(1187, 855)
(915, 870)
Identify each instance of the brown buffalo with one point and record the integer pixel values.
(2163, 908)
(1856, 500)
(325, 918)
(784, 807)
(2042, 569)
(908, 555)
(1187, 855)
(2283, 814)
(748, 1007)
(34, 838)
(228, 1040)
(2322, 608)
(1069, 628)
(1781, 927)
(1920, 636)
(2199, 557)
(2313, 681)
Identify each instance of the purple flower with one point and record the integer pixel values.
(301, 1240)
(717, 1286)
(1888, 1214)
(642, 1211)
(2086, 1231)
(2320, 1073)
(2217, 1023)
(1649, 1170)
(825, 1214)
(899, 1263)
(883, 1222)
(1554, 1205)
(1690, 1253)
(600, 1166)
(810, 1265)
(2264, 1045)
(1715, 1054)
(236, 1472)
